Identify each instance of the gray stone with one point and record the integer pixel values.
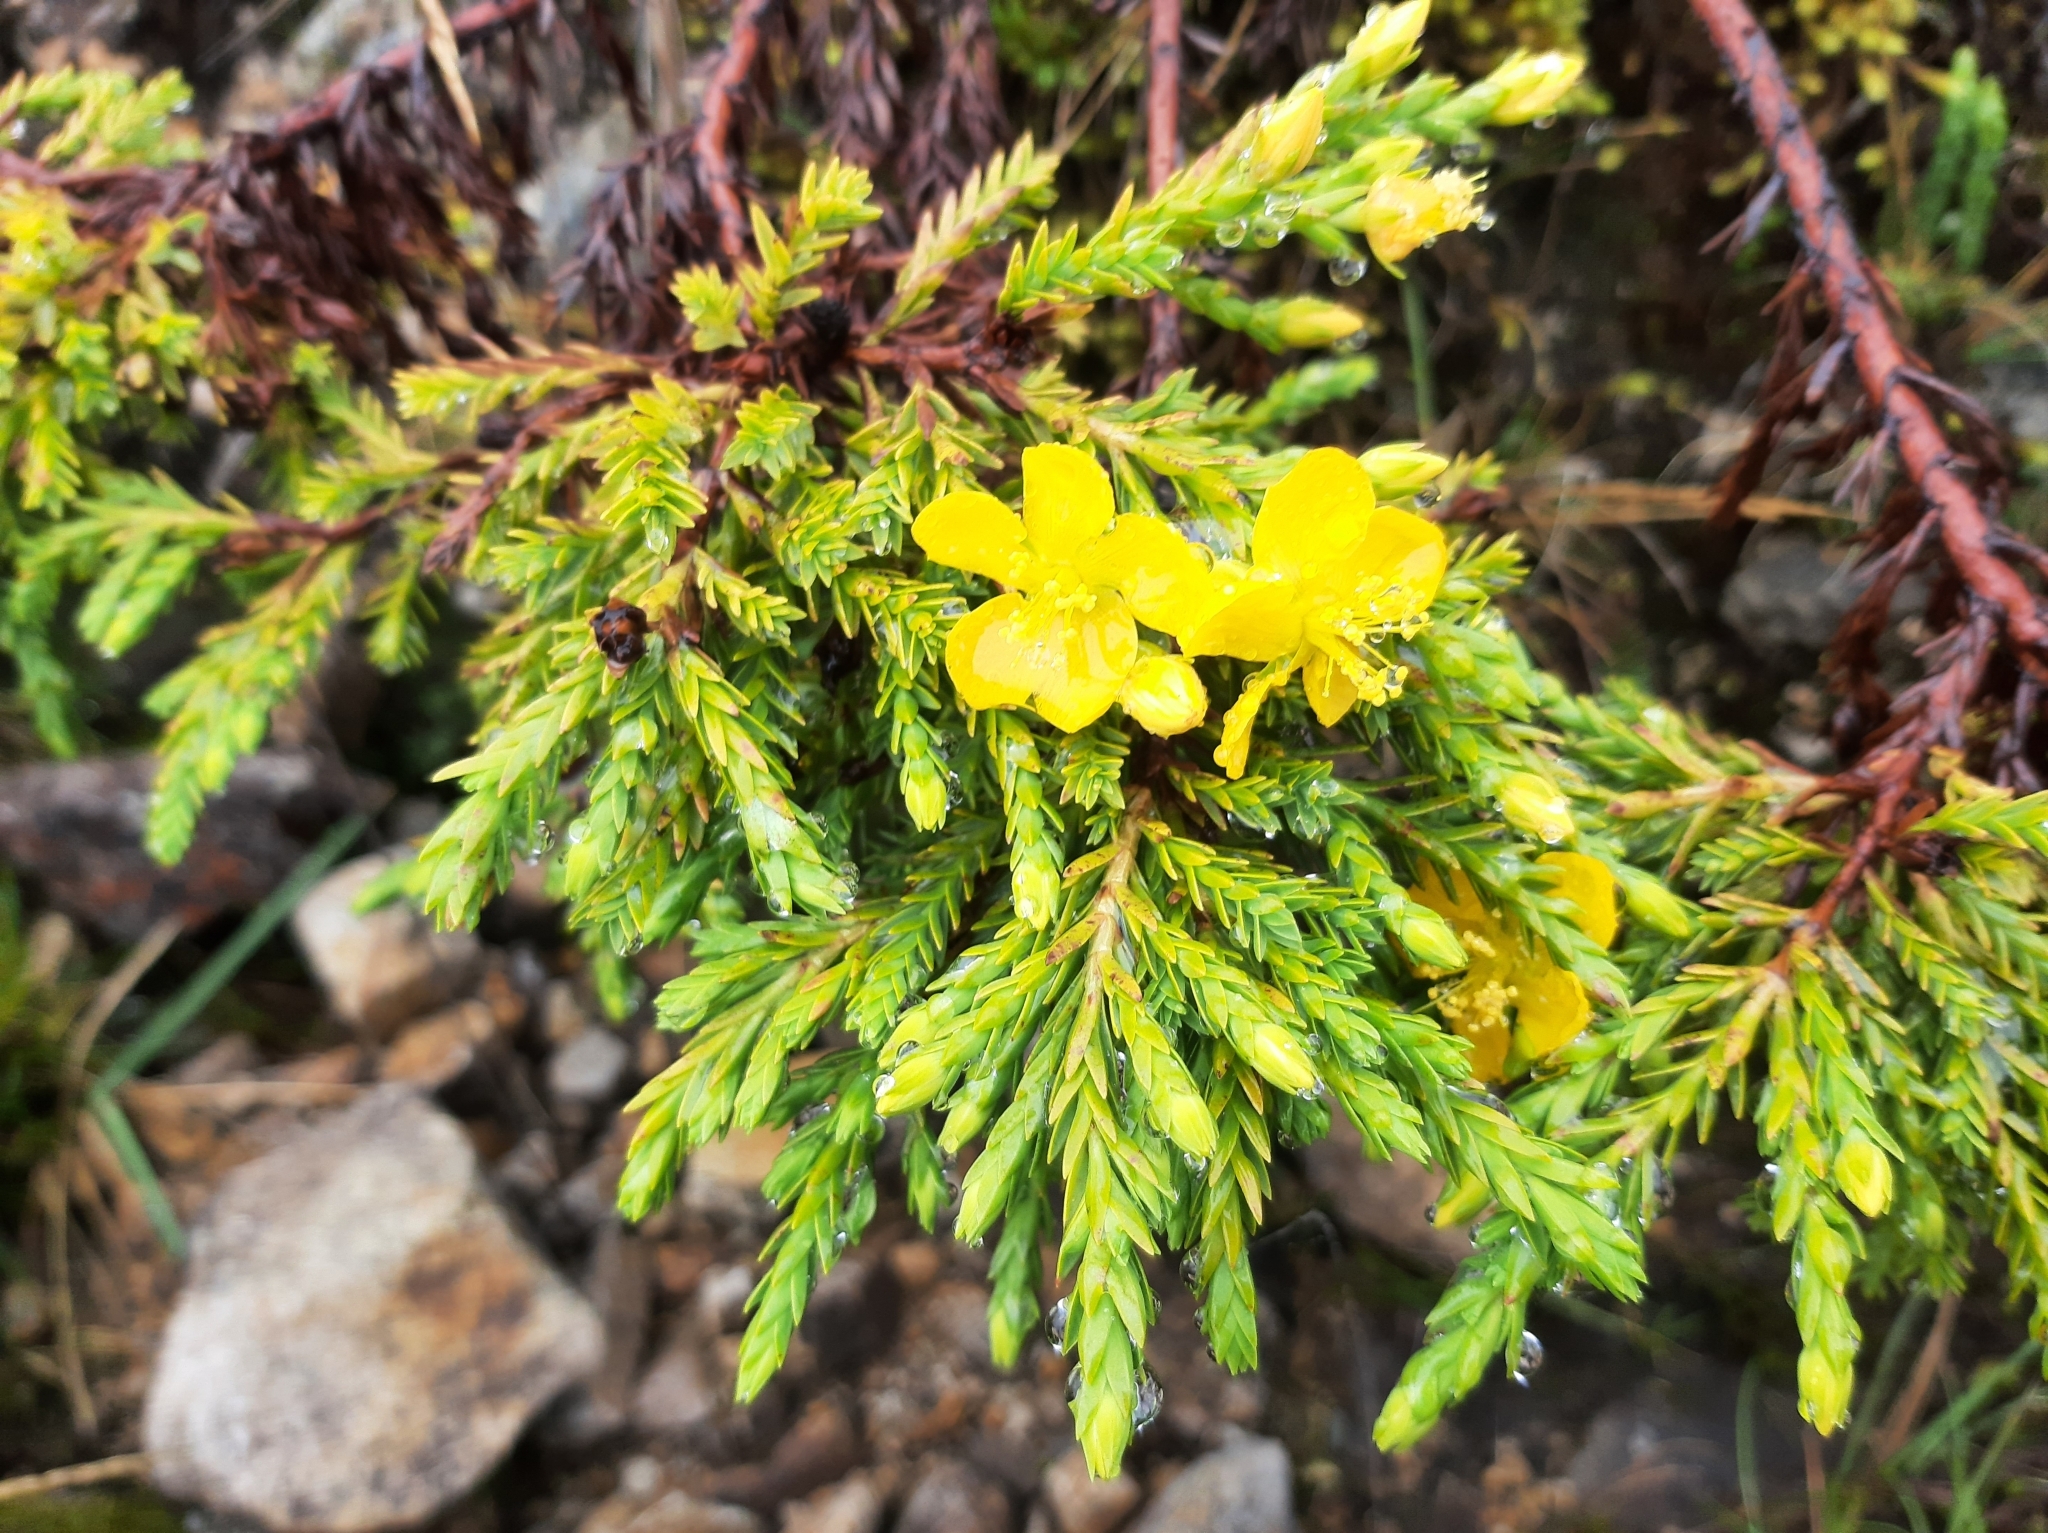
(1388, 1201)
(361, 1335)
(379, 967)
(677, 1395)
(676, 1512)
(851, 1506)
(586, 1070)
(955, 1498)
(1079, 1502)
(1246, 1486)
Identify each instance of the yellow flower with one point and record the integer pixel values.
(1307, 322)
(1064, 638)
(1386, 41)
(1510, 972)
(1534, 804)
(1332, 575)
(1401, 213)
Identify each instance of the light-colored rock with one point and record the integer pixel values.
(361, 1334)
(722, 1296)
(677, 1395)
(851, 1506)
(586, 1070)
(438, 1049)
(380, 967)
(1082, 1504)
(723, 1179)
(1388, 1201)
(562, 1015)
(676, 1512)
(954, 1497)
(1246, 1486)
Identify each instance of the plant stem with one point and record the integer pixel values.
(1419, 365)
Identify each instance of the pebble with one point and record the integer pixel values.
(587, 1069)
(1247, 1486)
(1082, 1504)
(381, 967)
(851, 1506)
(953, 1497)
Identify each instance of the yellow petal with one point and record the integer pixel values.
(1551, 1008)
(1587, 884)
(979, 655)
(1388, 576)
(1097, 652)
(1320, 509)
(1253, 616)
(972, 531)
(1330, 691)
(1165, 580)
(1459, 904)
(1067, 500)
(1165, 695)
(1489, 1042)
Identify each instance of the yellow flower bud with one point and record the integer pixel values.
(1531, 86)
(1277, 1055)
(1535, 805)
(1654, 905)
(924, 794)
(911, 1082)
(1401, 468)
(1865, 1174)
(1287, 138)
(1385, 42)
(1824, 1387)
(1428, 940)
(1378, 157)
(1315, 322)
(1164, 695)
(1460, 1202)
(1830, 1255)
(1401, 213)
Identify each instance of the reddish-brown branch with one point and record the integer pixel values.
(1853, 295)
(714, 127)
(1162, 148)
(473, 25)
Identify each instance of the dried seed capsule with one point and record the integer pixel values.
(620, 632)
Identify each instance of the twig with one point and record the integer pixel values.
(1905, 1411)
(1162, 148)
(1853, 296)
(122, 1466)
(1419, 364)
(56, 1208)
(1231, 44)
(1816, 1480)
(112, 992)
(714, 127)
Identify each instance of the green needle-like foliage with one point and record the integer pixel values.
(1123, 966)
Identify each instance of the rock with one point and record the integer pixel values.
(916, 1262)
(723, 1179)
(956, 1315)
(819, 1449)
(851, 1506)
(853, 1312)
(1081, 1504)
(361, 1335)
(439, 1049)
(677, 1395)
(586, 1070)
(562, 1015)
(75, 828)
(954, 1498)
(1387, 1201)
(722, 1296)
(1245, 1487)
(1790, 590)
(383, 966)
(676, 1512)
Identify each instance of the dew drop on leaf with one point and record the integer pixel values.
(1347, 271)
(1151, 1398)
(1074, 1383)
(1056, 1324)
(1530, 1358)
(1230, 233)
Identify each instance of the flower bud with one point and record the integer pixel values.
(1315, 322)
(1460, 1202)
(1654, 905)
(1277, 1055)
(1287, 138)
(1531, 86)
(924, 793)
(1535, 805)
(911, 1081)
(1864, 1174)
(1401, 213)
(1427, 938)
(1034, 887)
(1385, 42)
(1164, 695)
(1824, 1386)
(1401, 468)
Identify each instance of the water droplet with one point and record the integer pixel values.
(630, 947)
(1289, 1142)
(953, 606)
(1282, 206)
(1346, 271)
(812, 1114)
(1314, 1044)
(840, 1240)
(778, 904)
(1530, 1358)
(1309, 1093)
(1150, 1400)
(1465, 153)
(1547, 121)
(1267, 232)
(1428, 496)
(1230, 233)
(1074, 1383)
(884, 1084)
(909, 1048)
(1193, 1162)
(1484, 222)
(1429, 1214)
(1169, 260)
(1191, 1271)
(1056, 1324)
